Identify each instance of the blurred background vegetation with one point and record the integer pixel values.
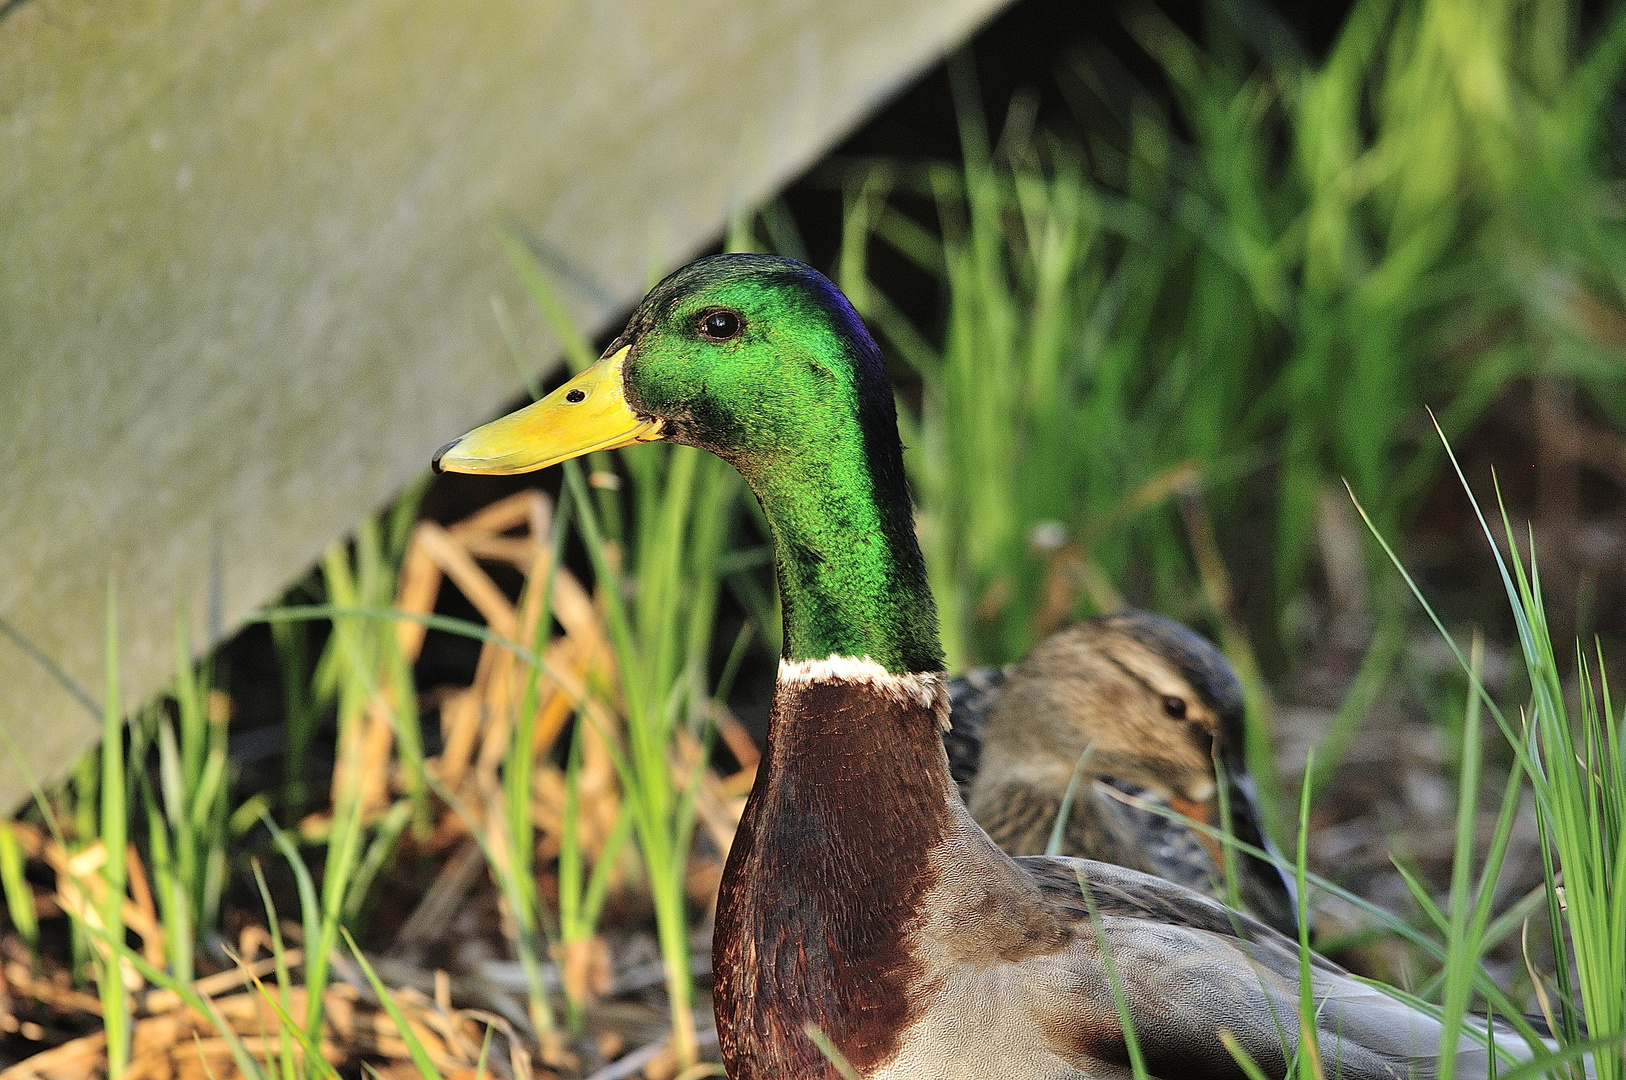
(1155, 286)
(1242, 281)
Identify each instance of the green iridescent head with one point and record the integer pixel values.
(763, 362)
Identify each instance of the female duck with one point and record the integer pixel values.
(1142, 709)
(860, 899)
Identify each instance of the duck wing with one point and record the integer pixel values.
(1191, 968)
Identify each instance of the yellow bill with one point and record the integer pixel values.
(588, 413)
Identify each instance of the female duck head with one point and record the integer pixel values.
(763, 362)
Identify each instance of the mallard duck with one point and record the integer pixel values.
(860, 900)
(1142, 707)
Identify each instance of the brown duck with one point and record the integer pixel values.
(860, 902)
(1142, 708)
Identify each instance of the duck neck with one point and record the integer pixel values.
(851, 578)
(841, 839)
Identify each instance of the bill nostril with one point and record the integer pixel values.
(576, 397)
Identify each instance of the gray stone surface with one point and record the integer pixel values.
(248, 251)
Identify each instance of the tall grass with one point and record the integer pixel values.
(1253, 296)
(513, 858)
(113, 831)
(1573, 759)
(19, 893)
(1577, 763)
(667, 553)
(364, 672)
(187, 815)
(661, 648)
(301, 712)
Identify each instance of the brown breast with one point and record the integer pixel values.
(824, 884)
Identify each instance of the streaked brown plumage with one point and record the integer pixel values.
(1143, 708)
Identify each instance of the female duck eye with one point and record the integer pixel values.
(1174, 706)
(719, 325)
(576, 397)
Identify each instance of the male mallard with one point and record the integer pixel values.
(1142, 708)
(860, 899)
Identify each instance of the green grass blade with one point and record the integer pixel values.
(420, 1056)
(19, 893)
(114, 835)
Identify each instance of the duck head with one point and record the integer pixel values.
(763, 362)
(755, 358)
(1152, 702)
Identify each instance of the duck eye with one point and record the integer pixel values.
(719, 325)
(576, 397)
(1174, 706)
